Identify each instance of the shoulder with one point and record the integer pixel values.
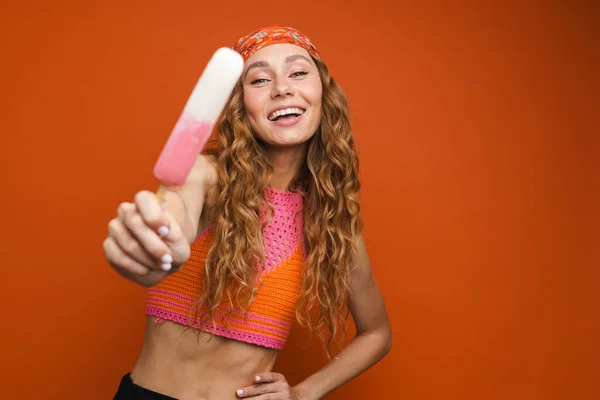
(204, 172)
(204, 175)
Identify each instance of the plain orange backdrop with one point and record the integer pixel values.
(477, 128)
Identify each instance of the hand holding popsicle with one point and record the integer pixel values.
(145, 241)
(146, 238)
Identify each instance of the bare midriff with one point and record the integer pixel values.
(188, 365)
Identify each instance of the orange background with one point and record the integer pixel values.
(477, 128)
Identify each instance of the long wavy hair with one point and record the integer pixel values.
(330, 187)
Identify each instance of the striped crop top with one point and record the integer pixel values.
(270, 317)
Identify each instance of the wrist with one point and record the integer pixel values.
(303, 393)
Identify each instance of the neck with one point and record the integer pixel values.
(286, 163)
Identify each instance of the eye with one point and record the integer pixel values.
(259, 81)
(299, 74)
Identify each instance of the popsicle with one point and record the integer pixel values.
(196, 122)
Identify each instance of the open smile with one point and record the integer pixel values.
(286, 116)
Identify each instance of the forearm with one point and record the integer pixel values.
(361, 353)
(185, 203)
(177, 208)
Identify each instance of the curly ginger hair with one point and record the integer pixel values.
(330, 187)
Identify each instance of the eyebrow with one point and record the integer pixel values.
(263, 64)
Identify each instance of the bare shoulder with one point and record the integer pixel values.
(204, 171)
(362, 271)
(204, 176)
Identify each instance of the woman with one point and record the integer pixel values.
(265, 229)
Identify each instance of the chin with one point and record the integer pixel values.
(287, 140)
(286, 144)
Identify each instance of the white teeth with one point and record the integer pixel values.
(285, 111)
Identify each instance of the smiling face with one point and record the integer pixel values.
(282, 95)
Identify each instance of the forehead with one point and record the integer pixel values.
(277, 53)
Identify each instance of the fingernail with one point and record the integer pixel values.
(167, 259)
(163, 231)
(166, 267)
(240, 392)
(163, 205)
(257, 378)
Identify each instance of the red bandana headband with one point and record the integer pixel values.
(274, 34)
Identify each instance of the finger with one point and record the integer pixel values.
(152, 212)
(128, 244)
(175, 234)
(120, 261)
(148, 238)
(267, 377)
(257, 390)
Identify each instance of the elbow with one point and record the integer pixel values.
(384, 344)
(387, 343)
(381, 341)
(385, 340)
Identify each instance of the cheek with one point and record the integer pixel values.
(252, 110)
(251, 105)
(318, 105)
(316, 95)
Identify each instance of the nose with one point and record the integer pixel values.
(282, 88)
